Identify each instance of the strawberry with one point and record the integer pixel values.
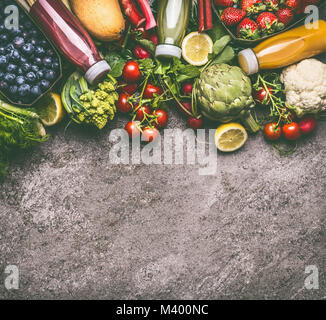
(225, 3)
(248, 29)
(269, 23)
(285, 16)
(253, 6)
(272, 5)
(231, 16)
(295, 5)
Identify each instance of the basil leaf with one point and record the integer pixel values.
(187, 72)
(116, 63)
(220, 44)
(226, 55)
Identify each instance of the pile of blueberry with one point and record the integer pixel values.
(28, 63)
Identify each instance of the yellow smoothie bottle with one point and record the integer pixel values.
(285, 49)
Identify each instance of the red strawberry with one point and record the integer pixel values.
(231, 16)
(268, 23)
(285, 16)
(295, 5)
(225, 3)
(253, 6)
(272, 5)
(248, 29)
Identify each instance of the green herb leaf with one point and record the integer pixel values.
(226, 56)
(117, 63)
(220, 44)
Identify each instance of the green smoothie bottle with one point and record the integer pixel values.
(172, 20)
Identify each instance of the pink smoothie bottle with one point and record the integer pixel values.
(70, 37)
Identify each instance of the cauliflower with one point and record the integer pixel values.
(305, 86)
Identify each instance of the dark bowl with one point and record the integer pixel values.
(60, 69)
(252, 42)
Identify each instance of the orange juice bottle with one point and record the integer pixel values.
(285, 49)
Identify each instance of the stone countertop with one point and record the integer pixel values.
(79, 227)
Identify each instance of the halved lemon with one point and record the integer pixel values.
(50, 109)
(230, 137)
(196, 47)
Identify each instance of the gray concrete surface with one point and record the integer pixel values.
(78, 227)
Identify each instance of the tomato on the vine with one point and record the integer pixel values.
(185, 106)
(150, 134)
(195, 123)
(123, 105)
(132, 129)
(161, 118)
(187, 88)
(151, 90)
(128, 88)
(131, 72)
(141, 111)
(261, 96)
(272, 131)
(291, 131)
(307, 125)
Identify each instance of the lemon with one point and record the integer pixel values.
(230, 137)
(50, 109)
(196, 47)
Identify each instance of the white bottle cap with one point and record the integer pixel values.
(97, 71)
(248, 61)
(168, 51)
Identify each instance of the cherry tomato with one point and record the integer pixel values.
(132, 129)
(307, 125)
(122, 104)
(128, 88)
(161, 117)
(272, 131)
(150, 134)
(195, 123)
(187, 89)
(141, 111)
(187, 106)
(131, 72)
(141, 53)
(261, 95)
(291, 131)
(151, 90)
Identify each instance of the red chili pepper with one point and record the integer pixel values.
(208, 15)
(201, 16)
(147, 11)
(131, 11)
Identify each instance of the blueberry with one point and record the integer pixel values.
(50, 53)
(50, 75)
(23, 60)
(38, 61)
(44, 43)
(14, 55)
(47, 62)
(11, 68)
(35, 68)
(31, 77)
(45, 85)
(10, 48)
(2, 50)
(4, 38)
(18, 42)
(3, 61)
(33, 41)
(26, 67)
(40, 74)
(20, 71)
(3, 85)
(25, 35)
(28, 49)
(13, 90)
(1, 75)
(9, 77)
(20, 80)
(39, 51)
(36, 91)
(24, 90)
(56, 66)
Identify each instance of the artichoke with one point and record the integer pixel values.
(224, 95)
